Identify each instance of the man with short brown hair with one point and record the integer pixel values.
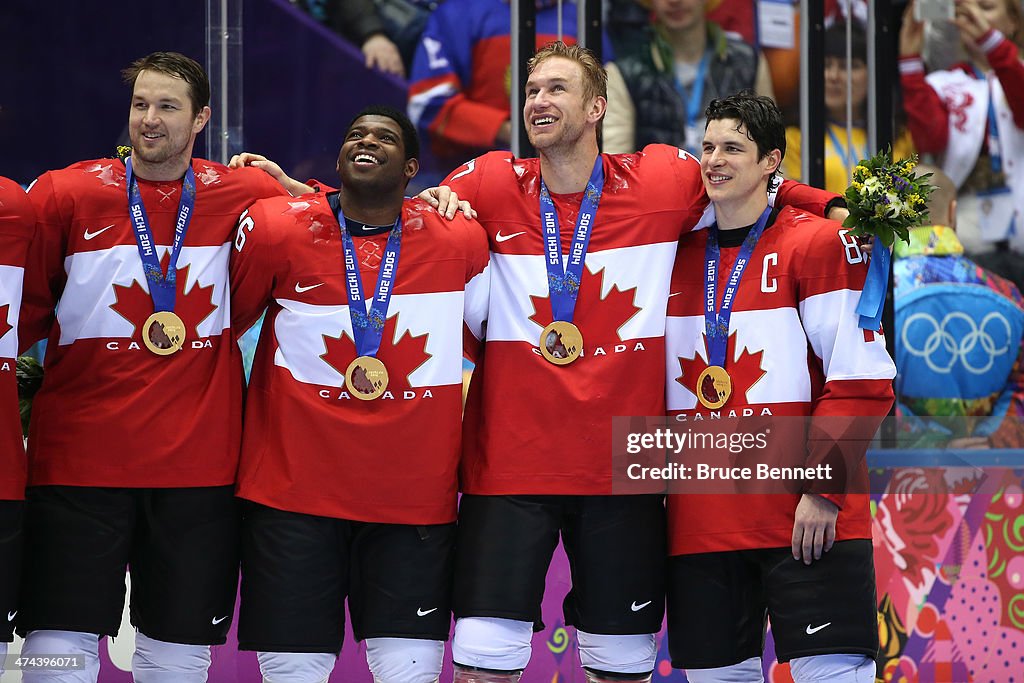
(135, 433)
(569, 346)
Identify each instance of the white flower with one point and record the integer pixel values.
(897, 205)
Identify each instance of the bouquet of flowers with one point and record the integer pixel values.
(886, 199)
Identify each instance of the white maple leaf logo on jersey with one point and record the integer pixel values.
(208, 176)
(295, 208)
(105, 174)
(309, 220)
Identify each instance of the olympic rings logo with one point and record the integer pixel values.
(941, 338)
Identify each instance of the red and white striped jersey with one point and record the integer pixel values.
(110, 412)
(536, 428)
(795, 349)
(310, 446)
(17, 223)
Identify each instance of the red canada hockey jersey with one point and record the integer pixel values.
(536, 428)
(794, 349)
(110, 412)
(17, 222)
(309, 446)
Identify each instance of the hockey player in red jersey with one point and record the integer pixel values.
(135, 435)
(349, 498)
(17, 222)
(784, 341)
(537, 459)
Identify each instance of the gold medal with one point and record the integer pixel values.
(163, 333)
(561, 343)
(366, 378)
(714, 386)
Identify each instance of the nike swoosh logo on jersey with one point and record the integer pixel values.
(89, 235)
(674, 294)
(812, 631)
(504, 238)
(299, 289)
(425, 612)
(11, 615)
(636, 608)
(217, 620)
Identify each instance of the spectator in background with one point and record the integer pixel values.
(958, 342)
(405, 21)
(781, 51)
(1004, 260)
(973, 115)
(626, 22)
(844, 146)
(685, 62)
(839, 10)
(459, 86)
(360, 22)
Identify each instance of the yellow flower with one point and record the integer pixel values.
(857, 186)
(860, 172)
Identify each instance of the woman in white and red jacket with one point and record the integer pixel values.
(973, 116)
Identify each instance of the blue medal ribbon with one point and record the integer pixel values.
(716, 322)
(872, 297)
(564, 283)
(994, 155)
(694, 98)
(368, 326)
(162, 288)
